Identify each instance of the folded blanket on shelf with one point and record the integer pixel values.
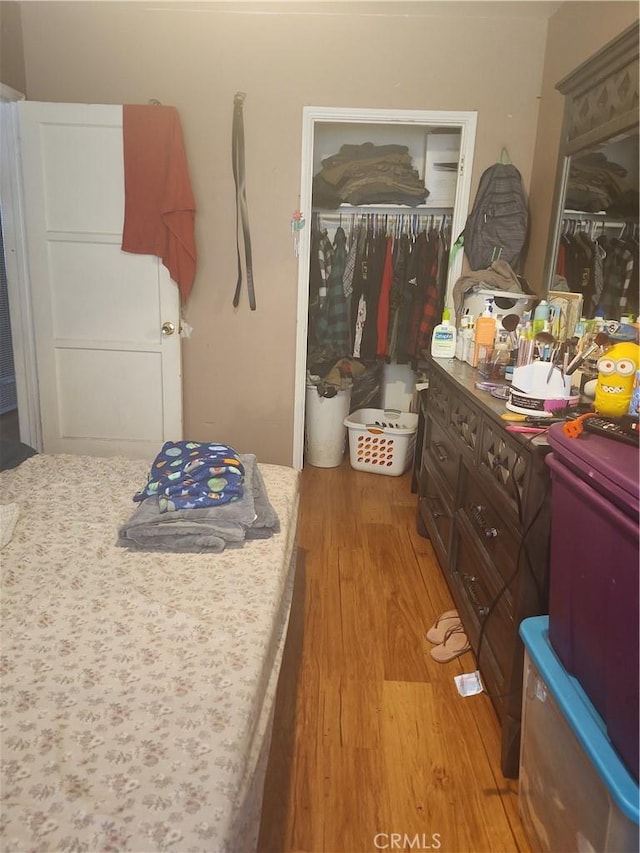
(368, 174)
(204, 528)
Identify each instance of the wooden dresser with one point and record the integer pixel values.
(484, 501)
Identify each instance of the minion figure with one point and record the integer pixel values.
(616, 375)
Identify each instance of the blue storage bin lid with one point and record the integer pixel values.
(585, 722)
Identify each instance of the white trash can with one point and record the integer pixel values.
(325, 432)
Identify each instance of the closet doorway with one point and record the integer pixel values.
(424, 133)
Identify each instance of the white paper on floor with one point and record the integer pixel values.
(469, 683)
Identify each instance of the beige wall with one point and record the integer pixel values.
(239, 365)
(576, 32)
(11, 54)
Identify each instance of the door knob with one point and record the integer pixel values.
(168, 328)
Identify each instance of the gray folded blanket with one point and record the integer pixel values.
(205, 528)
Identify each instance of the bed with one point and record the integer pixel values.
(137, 687)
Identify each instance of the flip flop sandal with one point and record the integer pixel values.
(447, 620)
(454, 644)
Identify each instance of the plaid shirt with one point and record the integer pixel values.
(428, 308)
(617, 295)
(332, 326)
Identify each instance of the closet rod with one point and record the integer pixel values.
(390, 218)
(382, 211)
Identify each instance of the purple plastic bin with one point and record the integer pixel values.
(593, 587)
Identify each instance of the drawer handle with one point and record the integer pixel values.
(442, 456)
(478, 517)
(469, 581)
(433, 499)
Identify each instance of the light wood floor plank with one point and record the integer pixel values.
(370, 734)
(362, 616)
(350, 822)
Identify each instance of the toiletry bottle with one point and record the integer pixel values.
(443, 340)
(540, 316)
(501, 356)
(581, 328)
(464, 321)
(485, 332)
(468, 336)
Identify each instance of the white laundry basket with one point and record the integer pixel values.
(381, 440)
(325, 432)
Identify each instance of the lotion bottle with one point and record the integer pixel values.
(443, 340)
(485, 331)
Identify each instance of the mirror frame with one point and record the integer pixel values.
(590, 119)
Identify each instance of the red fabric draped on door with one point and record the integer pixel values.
(159, 204)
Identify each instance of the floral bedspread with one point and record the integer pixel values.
(137, 688)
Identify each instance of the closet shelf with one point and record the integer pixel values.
(598, 216)
(419, 210)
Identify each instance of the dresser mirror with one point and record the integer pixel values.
(592, 252)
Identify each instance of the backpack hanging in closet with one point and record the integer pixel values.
(498, 223)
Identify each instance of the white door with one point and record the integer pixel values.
(109, 378)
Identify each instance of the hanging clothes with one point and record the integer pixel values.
(376, 246)
(377, 291)
(382, 350)
(328, 336)
(620, 267)
(358, 298)
(396, 295)
(603, 268)
(333, 320)
(427, 314)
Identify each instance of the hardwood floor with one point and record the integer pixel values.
(371, 737)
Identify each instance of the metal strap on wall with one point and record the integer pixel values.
(242, 214)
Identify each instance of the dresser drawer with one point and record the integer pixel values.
(465, 422)
(490, 527)
(496, 651)
(438, 398)
(505, 463)
(435, 511)
(442, 449)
